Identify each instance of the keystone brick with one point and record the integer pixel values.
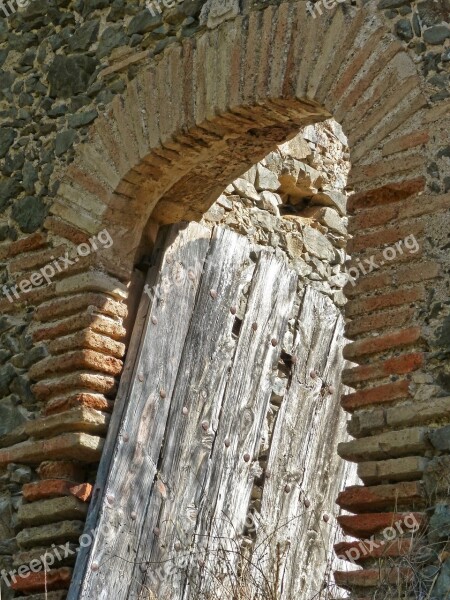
(366, 525)
(50, 580)
(410, 468)
(43, 512)
(72, 446)
(377, 395)
(392, 444)
(47, 488)
(45, 535)
(360, 499)
(399, 365)
(81, 419)
(374, 345)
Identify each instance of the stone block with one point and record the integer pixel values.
(42, 512)
(393, 444)
(45, 535)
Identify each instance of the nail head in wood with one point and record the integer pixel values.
(162, 394)
(185, 410)
(233, 310)
(227, 443)
(306, 502)
(246, 457)
(94, 566)
(254, 326)
(287, 488)
(213, 294)
(330, 390)
(141, 376)
(133, 515)
(274, 342)
(313, 375)
(326, 518)
(154, 320)
(205, 425)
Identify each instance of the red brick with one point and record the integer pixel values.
(63, 307)
(365, 525)
(414, 273)
(380, 321)
(377, 395)
(61, 470)
(386, 168)
(424, 205)
(384, 236)
(103, 384)
(361, 551)
(82, 492)
(411, 140)
(46, 488)
(360, 499)
(35, 260)
(96, 401)
(386, 194)
(389, 300)
(96, 322)
(374, 345)
(31, 242)
(366, 219)
(398, 365)
(369, 578)
(55, 579)
(73, 361)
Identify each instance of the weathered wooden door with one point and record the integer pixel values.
(189, 485)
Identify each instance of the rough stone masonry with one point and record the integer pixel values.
(111, 116)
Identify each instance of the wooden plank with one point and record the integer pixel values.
(234, 462)
(293, 541)
(151, 371)
(194, 413)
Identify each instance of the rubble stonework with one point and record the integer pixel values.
(111, 116)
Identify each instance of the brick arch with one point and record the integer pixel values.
(197, 117)
(203, 112)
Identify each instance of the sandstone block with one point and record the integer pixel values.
(45, 535)
(42, 512)
(392, 444)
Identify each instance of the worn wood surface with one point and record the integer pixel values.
(199, 440)
(137, 446)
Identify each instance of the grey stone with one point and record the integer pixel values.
(386, 4)
(7, 137)
(29, 212)
(112, 37)
(64, 140)
(69, 75)
(84, 36)
(10, 416)
(215, 12)
(442, 586)
(7, 374)
(144, 22)
(266, 180)
(440, 438)
(30, 176)
(436, 35)
(439, 526)
(431, 12)
(56, 533)
(246, 189)
(9, 188)
(81, 119)
(269, 201)
(317, 244)
(403, 29)
(331, 198)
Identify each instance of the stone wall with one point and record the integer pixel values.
(108, 113)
